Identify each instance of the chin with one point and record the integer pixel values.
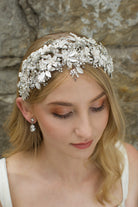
(82, 154)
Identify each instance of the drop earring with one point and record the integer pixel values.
(32, 126)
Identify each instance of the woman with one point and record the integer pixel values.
(67, 131)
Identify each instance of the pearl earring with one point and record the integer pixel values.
(32, 126)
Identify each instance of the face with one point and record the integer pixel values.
(73, 117)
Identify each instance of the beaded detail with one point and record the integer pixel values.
(71, 51)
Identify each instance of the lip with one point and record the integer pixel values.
(82, 145)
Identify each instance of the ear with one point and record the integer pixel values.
(25, 108)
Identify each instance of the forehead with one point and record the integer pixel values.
(70, 90)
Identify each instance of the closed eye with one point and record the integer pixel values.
(63, 116)
(98, 109)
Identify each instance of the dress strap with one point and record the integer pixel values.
(5, 197)
(125, 174)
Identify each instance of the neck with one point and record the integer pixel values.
(61, 166)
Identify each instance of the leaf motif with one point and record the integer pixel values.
(48, 74)
(79, 70)
(71, 51)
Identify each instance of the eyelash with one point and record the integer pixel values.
(65, 116)
(98, 109)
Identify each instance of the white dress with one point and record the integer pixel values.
(5, 197)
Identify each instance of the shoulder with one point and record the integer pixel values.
(132, 154)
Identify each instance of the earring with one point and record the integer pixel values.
(32, 126)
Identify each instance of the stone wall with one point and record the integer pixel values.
(113, 22)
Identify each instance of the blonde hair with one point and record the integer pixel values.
(106, 156)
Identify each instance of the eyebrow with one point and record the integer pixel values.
(62, 103)
(99, 96)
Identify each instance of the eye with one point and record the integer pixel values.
(98, 109)
(63, 116)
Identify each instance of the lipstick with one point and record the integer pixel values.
(82, 145)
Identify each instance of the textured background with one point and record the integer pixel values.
(113, 22)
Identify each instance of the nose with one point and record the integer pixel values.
(83, 128)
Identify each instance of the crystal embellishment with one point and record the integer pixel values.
(71, 51)
(32, 126)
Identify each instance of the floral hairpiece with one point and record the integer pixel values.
(71, 51)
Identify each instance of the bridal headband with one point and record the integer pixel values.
(71, 51)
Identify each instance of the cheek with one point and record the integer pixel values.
(52, 128)
(102, 121)
(48, 127)
(105, 118)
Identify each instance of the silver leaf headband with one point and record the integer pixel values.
(71, 51)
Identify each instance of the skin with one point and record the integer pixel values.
(61, 175)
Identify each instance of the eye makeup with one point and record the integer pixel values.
(99, 104)
(61, 112)
(98, 109)
(64, 111)
(63, 116)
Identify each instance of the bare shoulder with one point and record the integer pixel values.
(133, 160)
(133, 178)
(132, 154)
